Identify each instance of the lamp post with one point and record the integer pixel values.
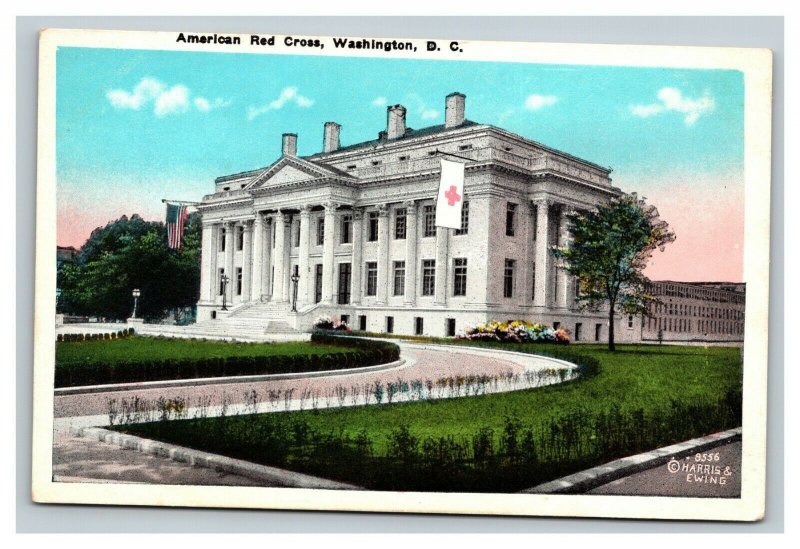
(136, 294)
(225, 281)
(295, 279)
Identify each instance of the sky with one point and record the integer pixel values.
(133, 127)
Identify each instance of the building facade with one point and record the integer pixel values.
(350, 233)
(696, 311)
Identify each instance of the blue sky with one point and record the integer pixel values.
(135, 126)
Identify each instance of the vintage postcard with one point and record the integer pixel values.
(385, 274)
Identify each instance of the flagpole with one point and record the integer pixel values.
(187, 203)
(456, 156)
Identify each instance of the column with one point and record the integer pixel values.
(247, 260)
(258, 257)
(230, 243)
(287, 250)
(266, 262)
(305, 268)
(543, 254)
(278, 225)
(206, 264)
(410, 289)
(565, 280)
(440, 297)
(383, 254)
(328, 244)
(528, 270)
(358, 239)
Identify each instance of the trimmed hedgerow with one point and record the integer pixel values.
(100, 362)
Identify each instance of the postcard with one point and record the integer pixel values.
(401, 275)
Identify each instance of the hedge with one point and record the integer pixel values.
(90, 372)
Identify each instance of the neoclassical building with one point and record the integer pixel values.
(354, 226)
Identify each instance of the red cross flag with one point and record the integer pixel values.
(451, 195)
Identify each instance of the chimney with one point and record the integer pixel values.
(454, 110)
(396, 122)
(289, 144)
(330, 141)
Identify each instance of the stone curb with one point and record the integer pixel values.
(584, 481)
(272, 475)
(91, 389)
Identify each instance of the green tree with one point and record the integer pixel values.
(127, 254)
(608, 251)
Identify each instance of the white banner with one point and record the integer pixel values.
(451, 195)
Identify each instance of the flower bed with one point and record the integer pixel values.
(515, 331)
(327, 323)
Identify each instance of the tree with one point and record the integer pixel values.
(608, 251)
(127, 254)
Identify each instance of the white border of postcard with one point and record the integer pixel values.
(755, 64)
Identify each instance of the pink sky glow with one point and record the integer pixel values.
(705, 212)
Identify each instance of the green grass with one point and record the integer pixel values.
(640, 398)
(150, 348)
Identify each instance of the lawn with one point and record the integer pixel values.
(637, 398)
(135, 359)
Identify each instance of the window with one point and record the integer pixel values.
(389, 324)
(238, 281)
(399, 277)
(418, 324)
(376, 162)
(320, 231)
(403, 158)
(464, 147)
(372, 278)
(598, 329)
(556, 325)
(464, 219)
(428, 276)
(345, 319)
(460, 276)
(274, 232)
(450, 327)
(630, 321)
(347, 232)
(296, 234)
(362, 323)
(221, 285)
(429, 221)
(508, 278)
(223, 237)
(240, 238)
(317, 282)
(372, 236)
(511, 219)
(400, 224)
(578, 327)
(351, 167)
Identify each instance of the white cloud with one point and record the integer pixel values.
(534, 102)
(428, 114)
(166, 100)
(173, 101)
(379, 102)
(672, 99)
(288, 95)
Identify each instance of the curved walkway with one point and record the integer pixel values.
(426, 373)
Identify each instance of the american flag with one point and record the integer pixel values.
(176, 221)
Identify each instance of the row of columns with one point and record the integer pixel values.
(553, 284)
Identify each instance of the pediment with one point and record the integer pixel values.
(290, 170)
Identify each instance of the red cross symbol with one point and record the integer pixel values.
(452, 196)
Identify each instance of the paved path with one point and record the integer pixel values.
(686, 481)
(76, 458)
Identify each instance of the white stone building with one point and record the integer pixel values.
(356, 224)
